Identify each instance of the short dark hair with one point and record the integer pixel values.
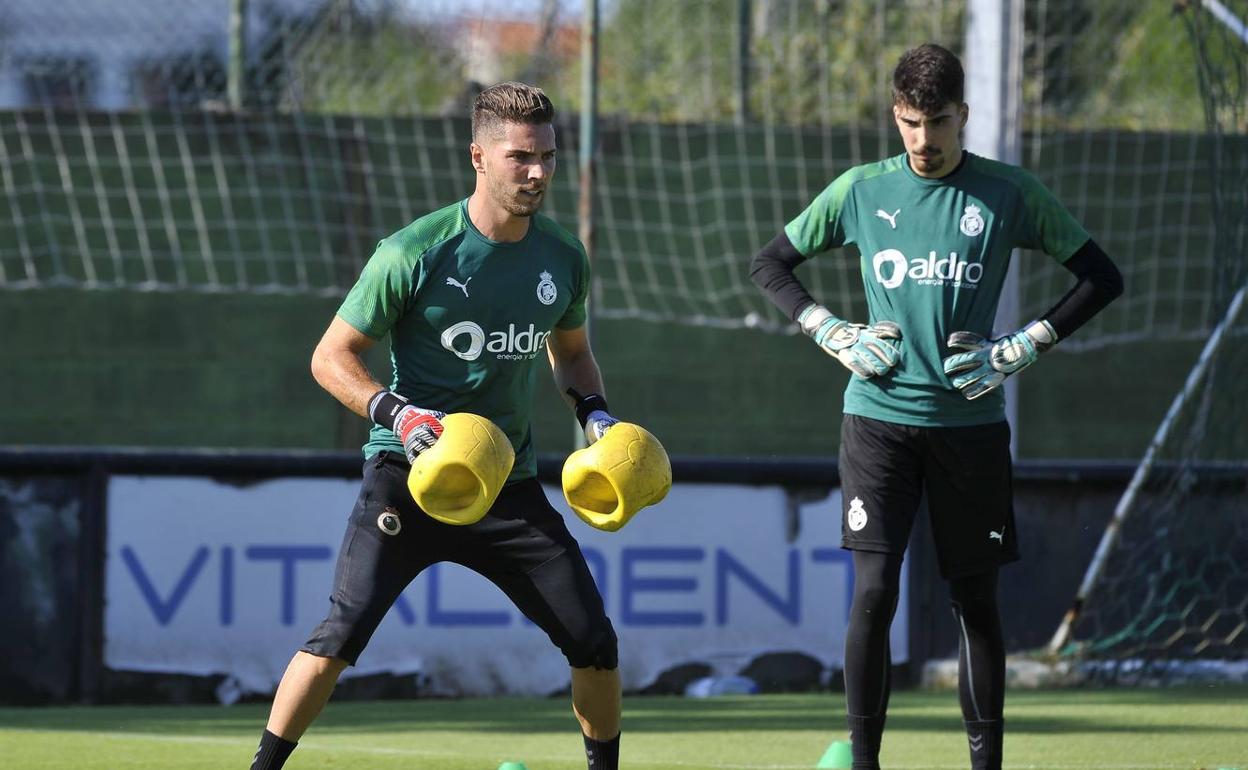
(509, 102)
(927, 78)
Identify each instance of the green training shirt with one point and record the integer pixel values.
(934, 254)
(468, 317)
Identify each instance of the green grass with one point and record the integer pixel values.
(1187, 728)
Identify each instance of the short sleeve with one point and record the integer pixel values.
(823, 225)
(381, 295)
(574, 316)
(1048, 226)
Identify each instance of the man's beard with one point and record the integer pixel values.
(930, 162)
(517, 203)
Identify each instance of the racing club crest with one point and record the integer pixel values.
(971, 223)
(546, 291)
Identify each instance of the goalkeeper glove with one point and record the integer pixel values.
(592, 414)
(864, 350)
(987, 363)
(418, 429)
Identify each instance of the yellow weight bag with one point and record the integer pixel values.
(457, 479)
(621, 473)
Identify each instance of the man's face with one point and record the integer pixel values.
(517, 166)
(932, 140)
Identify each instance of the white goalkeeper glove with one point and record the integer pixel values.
(418, 429)
(987, 363)
(865, 350)
(591, 412)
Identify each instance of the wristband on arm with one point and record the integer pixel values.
(586, 405)
(592, 413)
(384, 408)
(418, 429)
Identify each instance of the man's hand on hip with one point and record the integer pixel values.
(867, 351)
(985, 364)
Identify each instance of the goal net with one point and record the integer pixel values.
(124, 163)
(128, 162)
(1166, 597)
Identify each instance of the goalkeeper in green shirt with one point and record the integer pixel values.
(924, 410)
(474, 297)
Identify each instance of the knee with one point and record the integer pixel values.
(874, 599)
(595, 649)
(335, 666)
(973, 593)
(319, 666)
(323, 663)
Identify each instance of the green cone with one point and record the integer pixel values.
(512, 766)
(838, 755)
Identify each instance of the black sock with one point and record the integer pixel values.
(865, 734)
(602, 755)
(984, 737)
(273, 752)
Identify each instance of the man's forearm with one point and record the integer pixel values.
(771, 270)
(579, 372)
(346, 378)
(1099, 284)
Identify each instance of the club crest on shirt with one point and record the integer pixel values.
(546, 291)
(971, 223)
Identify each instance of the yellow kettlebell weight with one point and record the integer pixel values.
(609, 481)
(457, 479)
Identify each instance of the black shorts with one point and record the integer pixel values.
(521, 545)
(966, 471)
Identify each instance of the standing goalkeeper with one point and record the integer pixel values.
(471, 296)
(924, 411)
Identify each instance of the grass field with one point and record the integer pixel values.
(1190, 728)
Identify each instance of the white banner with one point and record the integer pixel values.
(205, 577)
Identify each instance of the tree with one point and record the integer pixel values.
(340, 59)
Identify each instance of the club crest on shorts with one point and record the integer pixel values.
(546, 291)
(389, 522)
(971, 223)
(857, 516)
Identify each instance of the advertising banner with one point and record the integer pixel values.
(206, 577)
